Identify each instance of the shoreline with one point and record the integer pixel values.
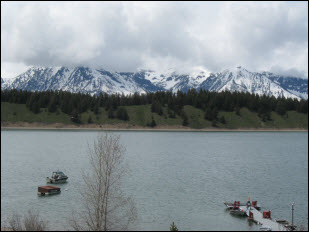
(127, 127)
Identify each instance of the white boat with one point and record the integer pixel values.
(57, 177)
(265, 228)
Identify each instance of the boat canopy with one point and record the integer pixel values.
(58, 173)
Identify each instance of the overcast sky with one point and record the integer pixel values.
(127, 36)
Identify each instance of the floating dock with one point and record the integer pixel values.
(251, 209)
(48, 190)
(266, 223)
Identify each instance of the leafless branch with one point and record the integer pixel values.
(105, 205)
(31, 222)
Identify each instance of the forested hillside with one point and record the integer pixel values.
(195, 109)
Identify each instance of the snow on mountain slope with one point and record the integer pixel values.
(171, 80)
(94, 81)
(81, 79)
(242, 80)
(294, 85)
(6, 83)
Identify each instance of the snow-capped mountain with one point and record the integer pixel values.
(242, 80)
(94, 81)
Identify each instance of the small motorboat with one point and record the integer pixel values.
(238, 212)
(57, 177)
(282, 221)
(265, 228)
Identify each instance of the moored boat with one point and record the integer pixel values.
(57, 177)
(265, 228)
(230, 205)
(238, 212)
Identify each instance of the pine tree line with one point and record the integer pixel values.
(211, 103)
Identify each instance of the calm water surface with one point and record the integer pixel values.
(175, 176)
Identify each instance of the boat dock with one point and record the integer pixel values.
(259, 218)
(48, 190)
(264, 219)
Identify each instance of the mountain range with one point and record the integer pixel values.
(95, 81)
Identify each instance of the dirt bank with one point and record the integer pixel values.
(124, 126)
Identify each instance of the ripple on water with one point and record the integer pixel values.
(175, 176)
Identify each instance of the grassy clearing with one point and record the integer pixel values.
(19, 113)
(141, 115)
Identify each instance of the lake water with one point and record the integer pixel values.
(175, 176)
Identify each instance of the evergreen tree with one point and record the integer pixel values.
(31, 101)
(93, 104)
(101, 100)
(280, 108)
(173, 227)
(110, 113)
(52, 107)
(90, 119)
(153, 122)
(171, 113)
(66, 107)
(185, 121)
(36, 107)
(222, 119)
(122, 114)
(84, 104)
(211, 114)
(75, 117)
(264, 114)
(214, 123)
(156, 107)
(303, 106)
(237, 110)
(96, 108)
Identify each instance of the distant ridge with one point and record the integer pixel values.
(95, 81)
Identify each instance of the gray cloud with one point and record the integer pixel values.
(126, 36)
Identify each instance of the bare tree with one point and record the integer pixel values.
(15, 222)
(105, 205)
(31, 222)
